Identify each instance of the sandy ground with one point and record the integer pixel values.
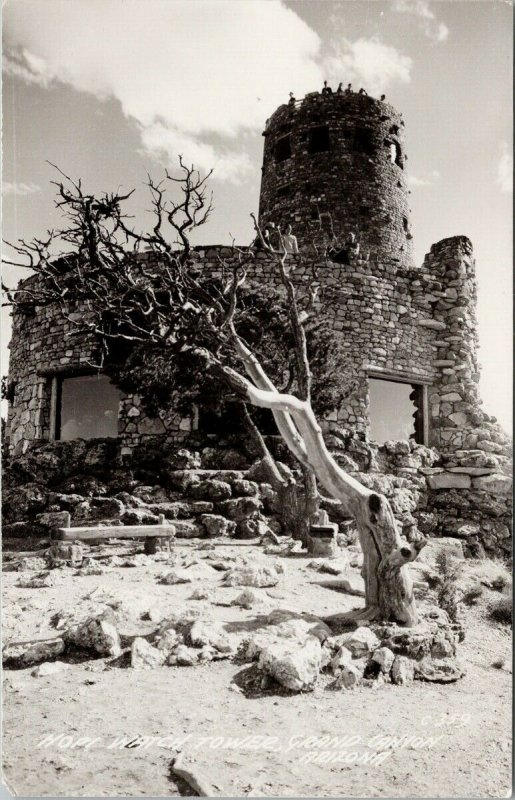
(67, 734)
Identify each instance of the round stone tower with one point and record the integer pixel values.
(335, 163)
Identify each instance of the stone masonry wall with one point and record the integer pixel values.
(371, 305)
(415, 324)
(357, 184)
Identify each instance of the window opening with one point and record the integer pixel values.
(396, 411)
(319, 140)
(86, 408)
(363, 141)
(283, 148)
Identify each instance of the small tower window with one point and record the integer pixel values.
(363, 141)
(285, 191)
(319, 140)
(283, 148)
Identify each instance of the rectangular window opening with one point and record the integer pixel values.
(319, 140)
(85, 407)
(283, 148)
(363, 142)
(397, 411)
(285, 191)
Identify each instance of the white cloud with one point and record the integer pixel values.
(428, 180)
(166, 143)
(184, 71)
(369, 62)
(18, 67)
(19, 188)
(192, 75)
(433, 29)
(505, 169)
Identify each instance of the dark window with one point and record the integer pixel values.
(364, 210)
(226, 421)
(87, 408)
(396, 411)
(285, 191)
(394, 130)
(283, 148)
(363, 141)
(319, 140)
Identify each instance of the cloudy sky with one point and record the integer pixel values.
(112, 89)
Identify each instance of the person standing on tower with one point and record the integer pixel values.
(327, 89)
(289, 241)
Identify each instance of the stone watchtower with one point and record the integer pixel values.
(336, 162)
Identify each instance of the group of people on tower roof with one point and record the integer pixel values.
(326, 90)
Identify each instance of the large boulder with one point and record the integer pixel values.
(145, 656)
(246, 575)
(53, 519)
(241, 508)
(445, 670)
(244, 488)
(216, 525)
(350, 675)
(97, 634)
(253, 528)
(106, 508)
(211, 489)
(494, 484)
(175, 510)
(403, 670)
(449, 480)
(139, 516)
(206, 633)
(20, 503)
(184, 459)
(293, 664)
(23, 656)
(360, 642)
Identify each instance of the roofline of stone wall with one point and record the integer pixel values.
(342, 96)
(460, 240)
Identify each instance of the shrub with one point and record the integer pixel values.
(502, 609)
(447, 589)
(472, 595)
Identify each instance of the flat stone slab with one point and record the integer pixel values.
(449, 480)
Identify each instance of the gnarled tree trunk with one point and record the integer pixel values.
(388, 586)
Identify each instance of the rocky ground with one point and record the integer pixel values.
(229, 652)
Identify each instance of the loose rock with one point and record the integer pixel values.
(292, 664)
(145, 656)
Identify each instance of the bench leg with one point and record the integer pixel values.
(157, 544)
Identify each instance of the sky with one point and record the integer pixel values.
(111, 90)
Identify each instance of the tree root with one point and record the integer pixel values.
(350, 619)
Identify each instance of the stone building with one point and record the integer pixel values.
(333, 164)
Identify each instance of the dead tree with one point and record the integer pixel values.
(167, 301)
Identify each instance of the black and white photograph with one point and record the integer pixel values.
(257, 398)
